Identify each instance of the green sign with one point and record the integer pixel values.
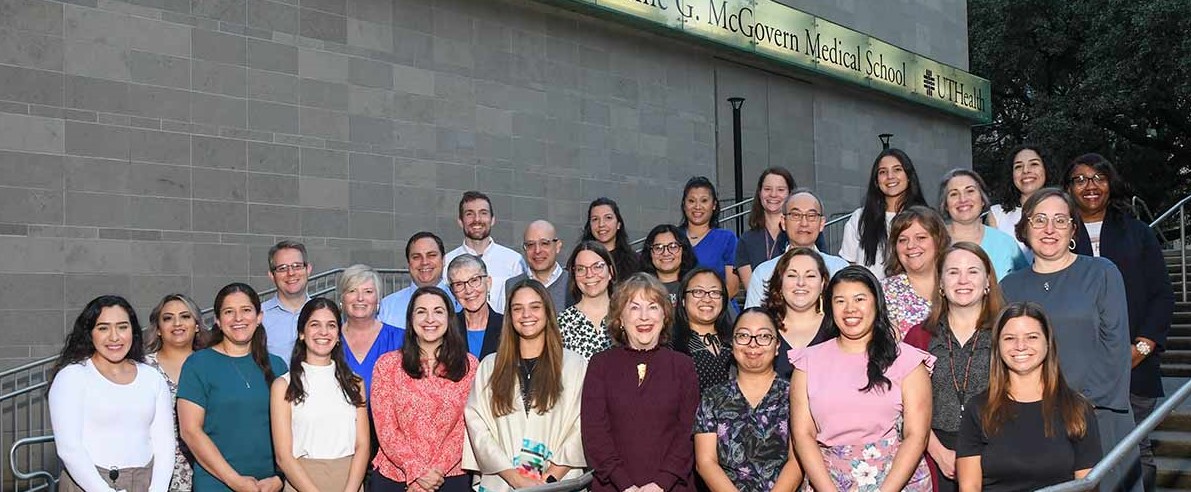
(776, 31)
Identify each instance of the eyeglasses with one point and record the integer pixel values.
(743, 339)
(540, 244)
(1061, 222)
(666, 248)
(700, 293)
(474, 282)
(799, 217)
(597, 268)
(1081, 181)
(290, 267)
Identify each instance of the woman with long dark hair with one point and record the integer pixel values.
(523, 412)
(765, 239)
(1029, 429)
(175, 332)
(861, 400)
(795, 300)
(606, 226)
(715, 247)
(892, 187)
(223, 398)
(112, 415)
(703, 325)
(418, 397)
(584, 325)
(320, 421)
(1030, 171)
(668, 256)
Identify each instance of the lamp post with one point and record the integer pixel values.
(885, 140)
(738, 160)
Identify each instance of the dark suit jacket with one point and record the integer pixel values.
(491, 333)
(1133, 247)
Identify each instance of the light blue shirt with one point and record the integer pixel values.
(394, 306)
(1003, 251)
(281, 326)
(759, 282)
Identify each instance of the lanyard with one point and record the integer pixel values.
(961, 393)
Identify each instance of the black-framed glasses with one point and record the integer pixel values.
(671, 248)
(289, 267)
(474, 282)
(743, 339)
(597, 268)
(700, 293)
(540, 244)
(1081, 180)
(1061, 222)
(810, 216)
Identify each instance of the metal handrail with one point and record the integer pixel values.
(1181, 208)
(723, 220)
(51, 482)
(1139, 205)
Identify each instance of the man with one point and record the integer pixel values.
(424, 253)
(289, 271)
(803, 221)
(542, 246)
(476, 219)
(478, 323)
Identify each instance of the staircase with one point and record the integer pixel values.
(1172, 440)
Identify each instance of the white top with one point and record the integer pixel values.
(324, 424)
(850, 247)
(503, 264)
(100, 423)
(1094, 235)
(759, 282)
(1007, 223)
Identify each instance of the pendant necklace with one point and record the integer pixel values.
(242, 378)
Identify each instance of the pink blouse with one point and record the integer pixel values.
(906, 307)
(843, 413)
(419, 422)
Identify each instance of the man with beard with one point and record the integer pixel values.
(476, 219)
(424, 253)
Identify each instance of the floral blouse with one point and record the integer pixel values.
(906, 307)
(183, 477)
(752, 444)
(580, 335)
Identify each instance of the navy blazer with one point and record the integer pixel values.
(1133, 247)
(491, 333)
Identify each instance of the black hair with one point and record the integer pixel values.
(882, 347)
(623, 256)
(452, 354)
(595, 247)
(1118, 188)
(348, 381)
(873, 233)
(79, 346)
(687, 259)
(259, 345)
(695, 183)
(422, 235)
(682, 323)
(1010, 195)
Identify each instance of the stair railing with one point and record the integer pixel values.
(724, 221)
(1180, 210)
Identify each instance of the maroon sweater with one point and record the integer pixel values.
(634, 435)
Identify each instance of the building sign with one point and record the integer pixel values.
(778, 32)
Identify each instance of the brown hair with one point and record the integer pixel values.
(349, 382)
(1058, 399)
(625, 291)
(1028, 208)
(757, 212)
(774, 302)
(545, 387)
(993, 299)
(153, 340)
(929, 219)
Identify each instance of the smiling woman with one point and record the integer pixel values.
(919, 235)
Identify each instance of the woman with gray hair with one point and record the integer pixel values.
(467, 276)
(175, 331)
(365, 338)
(963, 198)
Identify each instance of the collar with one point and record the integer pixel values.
(275, 303)
(554, 274)
(487, 248)
(790, 246)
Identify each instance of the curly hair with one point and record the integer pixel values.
(79, 346)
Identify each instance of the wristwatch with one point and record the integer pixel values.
(1143, 348)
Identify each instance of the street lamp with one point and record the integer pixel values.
(885, 140)
(738, 160)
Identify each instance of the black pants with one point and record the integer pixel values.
(381, 483)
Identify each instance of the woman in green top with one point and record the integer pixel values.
(223, 399)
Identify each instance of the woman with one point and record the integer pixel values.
(223, 398)
(765, 238)
(668, 256)
(960, 327)
(480, 324)
(1110, 231)
(584, 325)
(1030, 172)
(963, 198)
(418, 397)
(742, 433)
(1085, 299)
(606, 226)
(795, 299)
(639, 399)
(365, 338)
(523, 413)
(175, 331)
(861, 400)
(892, 187)
(715, 248)
(112, 415)
(320, 422)
(919, 235)
(703, 327)
(1029, 429)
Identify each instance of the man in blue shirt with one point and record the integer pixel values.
(802, 222)
(289, 271)
(424, 252)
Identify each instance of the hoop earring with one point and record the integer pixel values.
(985, 290)
(1072, 246)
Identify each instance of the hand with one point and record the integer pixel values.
(243, 484)
(650, 487)
(632, 489)
(945, 458)
(520, 481)
(1135, 356)
(271, 484)
(431, 480)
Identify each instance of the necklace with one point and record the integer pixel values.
(242, 378)
(960, 393)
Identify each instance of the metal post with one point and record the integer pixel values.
(1183, 249)
(738, 159)
(885, 140)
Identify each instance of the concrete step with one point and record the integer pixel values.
(1176, 370)
(1171, 444)
(1179, 421)
(1173, 473)
(1176, 357)
(1178, 342)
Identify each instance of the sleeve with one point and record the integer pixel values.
(742, 251)
(970, 441)
(596, 424)
(729, 253)
(192, 381)
(1114, 340)
(280, 368)
(756, 289)
(1087, 449)
(482, 451)
(385, 415)
(1020, 262)
(799, 358)
(680, 455)
(908, 358)
(849, 248)
(161, 435)
(452, 424)
(570, 445)
(705, 415)
(1159, 306)
(68, 404)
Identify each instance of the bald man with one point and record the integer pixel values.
(541, 246)
(803, 222)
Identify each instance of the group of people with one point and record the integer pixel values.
(936, 352)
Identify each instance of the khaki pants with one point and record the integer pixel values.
(130, 479)
(327, 475)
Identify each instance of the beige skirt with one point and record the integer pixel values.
(130, 479)
(327, 475)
